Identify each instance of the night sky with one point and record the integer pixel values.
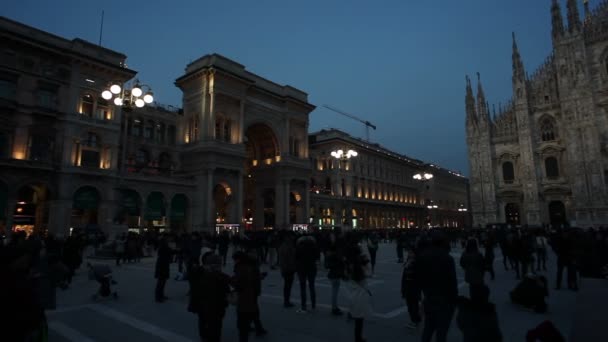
(399, 64)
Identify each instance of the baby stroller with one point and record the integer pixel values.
(103, 275)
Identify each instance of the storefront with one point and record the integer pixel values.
(154, 214)
(130, 208)
(85, 207)
(178, 213)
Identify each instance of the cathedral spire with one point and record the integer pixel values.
(574, 18)
(482, 109)
(470, 103)
(557, 20)
(518, 65)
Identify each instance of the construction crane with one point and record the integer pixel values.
(365, 122)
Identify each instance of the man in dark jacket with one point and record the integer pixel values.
(307, 254)
(247, 283)
(437, 275)
(334, 261)
(287, 263)
(161, 272)
(210, 289)
(410, 289)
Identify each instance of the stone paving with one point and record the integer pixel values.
(134, 316)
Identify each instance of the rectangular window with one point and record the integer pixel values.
(47, 98)
(171, 135)
(90, 158)
(39, 148)
(8, 87)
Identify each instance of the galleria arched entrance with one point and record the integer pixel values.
(240, 129)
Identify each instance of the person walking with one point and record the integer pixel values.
(372, 247)
(287, 264)
(334, 262)
(161, 272)
(473, 264)
(541, 251)
(410, 289)
(307, 254)
(437, 276)
(488, 258)
(247, 284)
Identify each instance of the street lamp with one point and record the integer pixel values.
(423, 178)
(137, 95)
(126, 97)
(342, 156)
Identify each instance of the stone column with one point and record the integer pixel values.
(168, 213)
(282, 204)
(306, 199)
(239, 199)
(258, 210)
(202, 202)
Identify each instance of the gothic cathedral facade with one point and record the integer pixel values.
(543, 158)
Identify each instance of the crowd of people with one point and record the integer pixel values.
(34, 267)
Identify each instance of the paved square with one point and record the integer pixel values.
(136, 317)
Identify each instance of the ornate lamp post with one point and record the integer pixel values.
(342, 156)
(424, 178)
(127, 97)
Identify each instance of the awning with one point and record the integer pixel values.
(155, 207)
(178, 208)
(129, 201)
(86, 198)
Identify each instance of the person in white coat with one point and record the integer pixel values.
(360, 295)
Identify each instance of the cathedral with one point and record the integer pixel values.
(543, 157)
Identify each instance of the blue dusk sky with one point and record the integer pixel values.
(400, 64)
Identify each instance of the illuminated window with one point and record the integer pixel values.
(103, 110)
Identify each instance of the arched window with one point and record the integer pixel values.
(86, 105)
(508, 174)
(547, 130)
(552, 168)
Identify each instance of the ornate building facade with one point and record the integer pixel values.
(543, 158)
(376, 189)
(237, 153)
